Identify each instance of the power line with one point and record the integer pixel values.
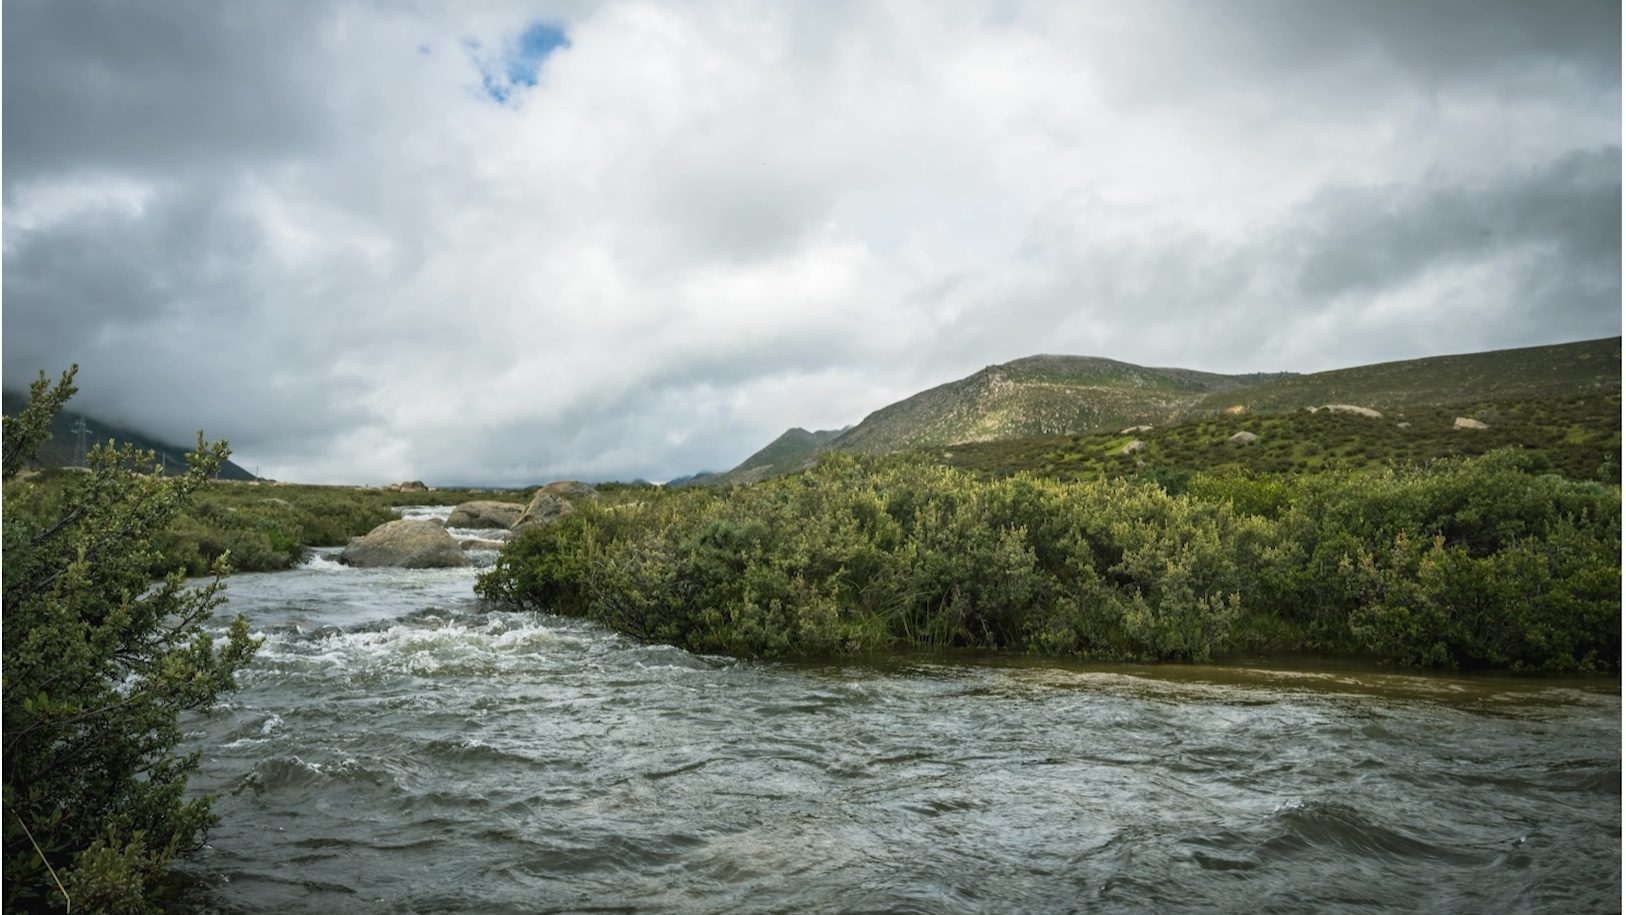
(81, 431)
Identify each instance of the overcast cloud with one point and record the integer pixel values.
(507, 243)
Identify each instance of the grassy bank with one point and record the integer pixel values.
(263, 527)
(1488, 562)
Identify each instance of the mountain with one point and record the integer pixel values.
(61, 448)
(1073, 395)
(793, 450)
(1038, 395)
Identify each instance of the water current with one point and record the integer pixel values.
(397, 746)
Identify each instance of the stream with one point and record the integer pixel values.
(398, 746)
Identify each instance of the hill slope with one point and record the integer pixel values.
(59, 449)
(1038, 395)
(1046, 396)
(1562, 370)
(791, 451)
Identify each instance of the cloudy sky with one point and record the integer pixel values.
(507, 243)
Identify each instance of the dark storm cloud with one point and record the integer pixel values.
(155, 87)
(1362, 240)
(1190, 47)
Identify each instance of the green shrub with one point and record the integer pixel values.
(98, 665)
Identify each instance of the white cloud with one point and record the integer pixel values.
(699, 224)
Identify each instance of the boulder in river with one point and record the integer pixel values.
(485, 514)
(405, 544)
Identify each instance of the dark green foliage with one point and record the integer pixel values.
(1479, 563)
(98, 665)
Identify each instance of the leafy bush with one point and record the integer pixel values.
(98, 665)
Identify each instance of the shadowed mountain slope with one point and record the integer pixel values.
(59, 450)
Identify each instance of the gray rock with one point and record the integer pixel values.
(1464, 422)
(545, 507)
(485, 514)
(480, 543)
(1349, 408)
(570, 489)
(1133, 447)
(405, 544)
(1243, 438)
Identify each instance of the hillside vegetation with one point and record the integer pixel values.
(1563, 370)
(1577, 437)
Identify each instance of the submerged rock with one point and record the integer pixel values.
(405, 544)
(485, 514)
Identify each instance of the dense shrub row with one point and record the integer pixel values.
(1476, 563)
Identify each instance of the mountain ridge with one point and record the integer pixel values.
(1048, 394)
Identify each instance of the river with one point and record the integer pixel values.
(397, 746)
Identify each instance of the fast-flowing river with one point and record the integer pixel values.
(399, 747)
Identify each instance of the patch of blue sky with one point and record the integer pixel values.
(520, 60)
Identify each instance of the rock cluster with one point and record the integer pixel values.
(427, 545)
(485, 515)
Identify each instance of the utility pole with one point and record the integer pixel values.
(79, 447)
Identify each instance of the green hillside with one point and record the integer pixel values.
(1577, 437)
(1565, 369)
(1026, 414)
(792, 451)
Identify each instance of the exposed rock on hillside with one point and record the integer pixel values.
(485, 514)
(1464, 422)
(1348, 408)
(405, 544)
(1243, 438)
(1134, 447)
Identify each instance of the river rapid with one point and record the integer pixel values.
(397, 746)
